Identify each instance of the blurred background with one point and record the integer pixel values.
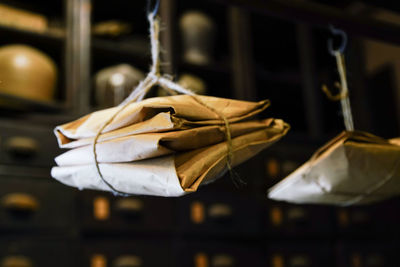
(62, 59)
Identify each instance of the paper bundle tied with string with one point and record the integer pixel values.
(163, 146)
(353, 168)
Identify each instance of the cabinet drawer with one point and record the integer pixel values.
(35, 204)
(298, 220)
(379, 220)
(296, 254)
(365, 254)
(27, 145)
(281, 160)
(219, 214)
(103, 211)
(36, 253)
(214, 254)
(126, 253)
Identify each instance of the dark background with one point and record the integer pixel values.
(273, 50)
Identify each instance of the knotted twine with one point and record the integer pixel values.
(343, 96)
(155, 78)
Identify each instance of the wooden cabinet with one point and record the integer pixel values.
(254, 55)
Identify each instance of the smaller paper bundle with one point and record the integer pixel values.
(353, 168)
(164, 146)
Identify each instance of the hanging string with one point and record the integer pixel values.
(343, 95)
(345, 101)
(154, 78)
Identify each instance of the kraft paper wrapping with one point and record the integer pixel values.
(179, 111)
(149, 145)
(354, 168)
(175, 174)
(164, 146)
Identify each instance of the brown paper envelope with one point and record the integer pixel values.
(354, 168)
(206, 164)
(143, 146)
(159, 123)
(170, 175)
(395, 141)
(182, 108)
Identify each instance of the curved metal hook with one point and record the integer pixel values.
(342, 46)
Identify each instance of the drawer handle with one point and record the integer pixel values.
(128, 261)
(20, 202)
(276, 216)
(197, 212)
(129, 206)
(300, 261)
(222, 260)
(220, 211)
(16, 261)
(21, 146)
(296, 214)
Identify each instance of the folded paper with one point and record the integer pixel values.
(353, 168)
(174, 174)
(164, 146)
(149, 145)
(183, 110)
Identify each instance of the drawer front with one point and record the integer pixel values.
(363, 254)
(37, 253)
(296, 254)
(103, 211)
(298, 220)
(127, 253)
(379, 220)
(35, 204)
(218, 254)
(27, 145)
(281, 160)
(219, 214)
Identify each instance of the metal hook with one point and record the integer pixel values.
(342, 46)
(154, 10)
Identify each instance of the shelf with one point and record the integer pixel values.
(45, 37)
(121, 49)
(15, 103)
(320, 14)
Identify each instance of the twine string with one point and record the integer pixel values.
(155, 78)
(345, 101)
(343, 95)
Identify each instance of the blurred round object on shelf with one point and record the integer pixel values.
(111, 28)
(198, 33)
(115, 83)
(193, 83)
(188, 81)
(27, 72)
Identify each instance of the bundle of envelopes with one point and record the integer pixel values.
(353, 168)
(164, 146)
